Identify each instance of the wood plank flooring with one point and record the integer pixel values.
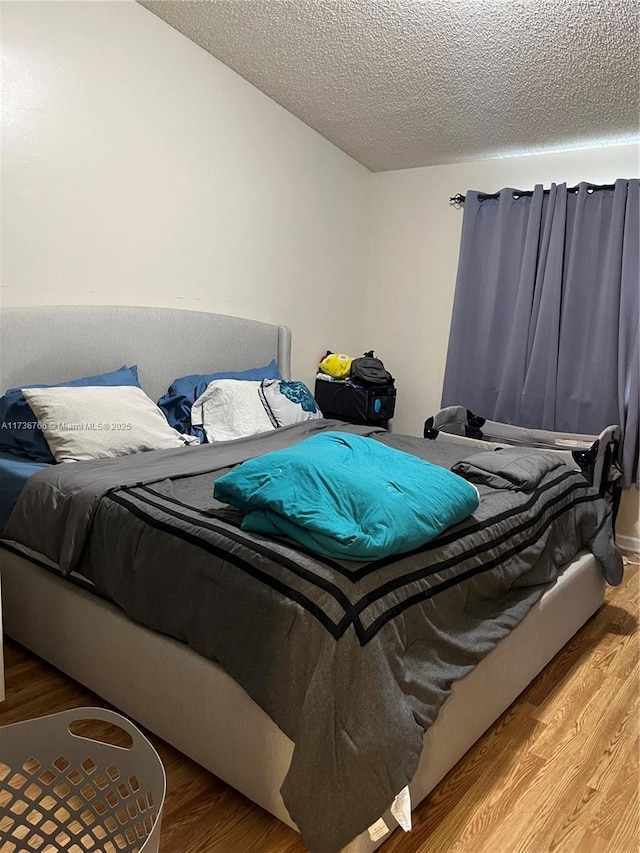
(557, 773)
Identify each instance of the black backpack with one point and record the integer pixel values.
(370, 371)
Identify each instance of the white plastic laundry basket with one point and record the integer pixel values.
(65, 793)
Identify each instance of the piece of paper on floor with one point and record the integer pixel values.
(401, 809)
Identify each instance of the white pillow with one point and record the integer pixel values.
(288, 401)
(98, 422)
(230, 408)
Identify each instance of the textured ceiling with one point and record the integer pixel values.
(401, 83)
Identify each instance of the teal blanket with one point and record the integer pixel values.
(347, 496)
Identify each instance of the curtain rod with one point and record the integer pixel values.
(460, 199)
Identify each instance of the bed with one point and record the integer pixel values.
(184, 697)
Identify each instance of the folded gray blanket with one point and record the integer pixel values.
(507, 468)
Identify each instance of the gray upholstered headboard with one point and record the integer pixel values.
(51, 344)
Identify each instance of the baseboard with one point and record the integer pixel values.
(628, 543)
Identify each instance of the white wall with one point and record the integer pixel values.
(137, 169)
(628, 522)
(415, 239)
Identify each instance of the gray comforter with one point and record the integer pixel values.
(351, 660)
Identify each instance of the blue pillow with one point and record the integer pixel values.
(183, 392)
(19, 432)
(347, 497)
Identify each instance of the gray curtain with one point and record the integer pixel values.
(544, 332)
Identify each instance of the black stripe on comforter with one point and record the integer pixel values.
(402, 583)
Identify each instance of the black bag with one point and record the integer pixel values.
(372, 405)
(370, 371)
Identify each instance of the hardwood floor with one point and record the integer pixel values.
(557, 773)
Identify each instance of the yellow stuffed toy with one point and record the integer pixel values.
(336, 364)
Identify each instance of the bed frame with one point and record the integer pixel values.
(161, 682)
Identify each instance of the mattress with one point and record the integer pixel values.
(14, 473)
